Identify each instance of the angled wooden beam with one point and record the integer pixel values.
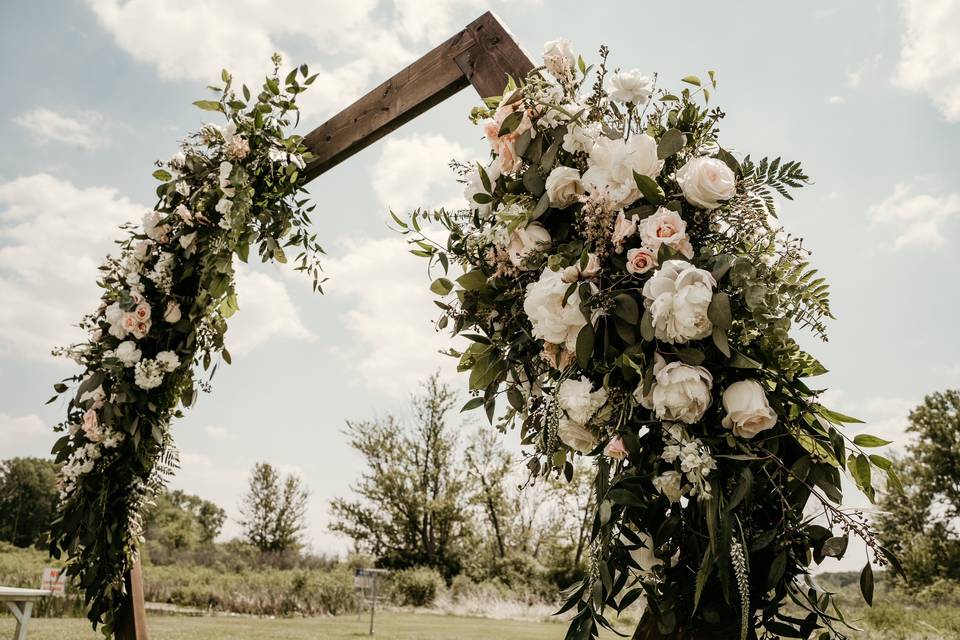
(483, 54)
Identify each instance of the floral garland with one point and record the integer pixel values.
(626, 287)
(163, 314)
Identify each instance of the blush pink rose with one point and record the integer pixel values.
(616, 449)
(640, 260)
(666, 227)
(623, 228)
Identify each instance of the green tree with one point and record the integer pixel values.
(274, 509)
(28, 497)
(178, 520)
(412, 497)
(916, 518)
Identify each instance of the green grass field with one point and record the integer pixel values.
(388, 626)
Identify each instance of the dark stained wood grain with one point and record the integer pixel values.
(484, 55)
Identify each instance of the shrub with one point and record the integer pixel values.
(416, 587)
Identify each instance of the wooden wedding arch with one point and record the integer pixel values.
(482, 55)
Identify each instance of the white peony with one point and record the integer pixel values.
(665, 227)
(748, 412)
(631, 86)
(524, 241)
(152, 227)
(678, 296)
(563, 186)
(168, 360)
(611, 165)
(559, 59)
(576, 436)
(681, 392)
(580, 139)
(578, 399)
(475, 187)
(706, 181)
(127, 353)
(552, 320)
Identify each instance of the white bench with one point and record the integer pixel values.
(20, 602)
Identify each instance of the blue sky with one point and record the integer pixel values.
(866, 94)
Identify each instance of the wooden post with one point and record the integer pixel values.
(483, 55)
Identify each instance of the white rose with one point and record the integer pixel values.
(225, 186)
(706, 181)
(523, 242)
(559, 59)
(172, 313)
(665, 227)
(475, 187)
(152, 227)
(640, 260)
(678, 296)
(552, 321)
(168, 360)
(575, 436)
(681, 393)
(578, 399)
(631, 86)
(748, 412)
(580, 139)
(128, 353)
(563, 186)
(612, 162)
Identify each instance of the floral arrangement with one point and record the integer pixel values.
(627, 289)
(163, 315)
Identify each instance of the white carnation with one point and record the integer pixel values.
(148, 374)
(631, 86)
(127, 353)
(168, 360)
(612, 163)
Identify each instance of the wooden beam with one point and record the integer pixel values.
(483, 54)
(132, 622)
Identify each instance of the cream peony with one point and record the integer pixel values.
(578, 399)
(580, 139)
(576, 436)
(611, 165)
(559, 59)
(748, 412)
(524, 241)
(127, 353)
(706, 181)
(678, 296)
(681, 392)
(503, 145)
(168, 360)
(563, 186)
(640, 260)
(631, 86)
(665, 227)
(552, 321)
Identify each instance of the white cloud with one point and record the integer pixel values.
(84, 131)
(915, 218)
(854, 78)
(887, 418)
(411, 170)
(266, 312)
(215, 432)
(930, 53)
(19, 435)
(53, 236)
(194, 39)
(201, 475)
(395, 345)
(836, 100)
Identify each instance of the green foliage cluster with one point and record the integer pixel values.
(28, 498)
(743, 540)
(416, 587)
(230, 189)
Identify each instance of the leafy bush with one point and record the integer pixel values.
(416, 587)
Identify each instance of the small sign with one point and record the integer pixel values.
(54, 580)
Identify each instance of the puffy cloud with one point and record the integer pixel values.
(215, 432)
(53, 236)
(915, 218)
(413, 171)
(24, 435)
(266, 312)
(82, 130)
(930, 53)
